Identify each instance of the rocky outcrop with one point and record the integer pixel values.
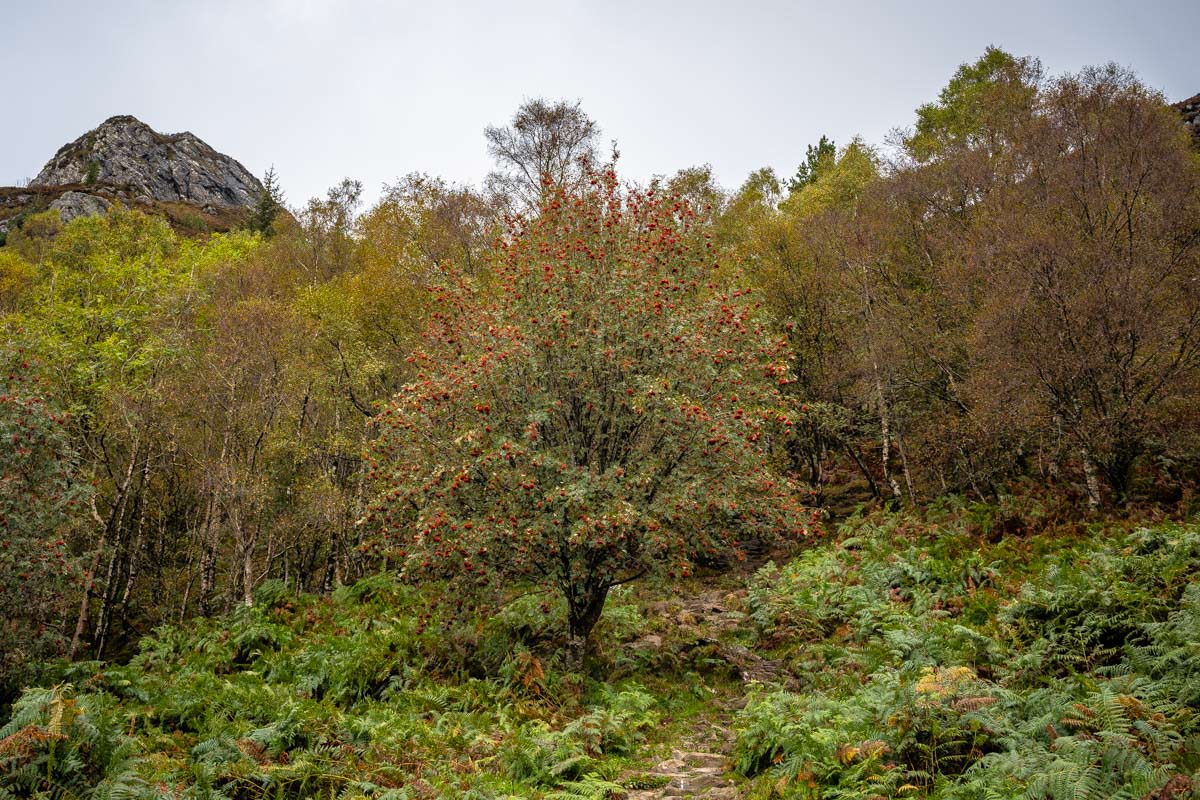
(125, 161)
(78, 204)
(127, 155)
(1190, 111)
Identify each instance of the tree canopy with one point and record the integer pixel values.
(608, 413)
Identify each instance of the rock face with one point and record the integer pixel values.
(175, 176)
(1190, 111)
(77, 204)
(140, 164)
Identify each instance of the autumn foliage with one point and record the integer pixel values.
(1004, 307)
(39, 499)
(606, 412)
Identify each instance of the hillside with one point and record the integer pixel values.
(905, 657)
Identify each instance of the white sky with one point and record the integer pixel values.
(326, 89)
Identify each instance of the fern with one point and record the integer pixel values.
(590, 787)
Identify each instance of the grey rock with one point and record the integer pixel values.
(1190, 111)
(77, 204)
(127, 154)
(690, 774)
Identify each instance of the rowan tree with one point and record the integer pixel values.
(40, 498)
(606, 414)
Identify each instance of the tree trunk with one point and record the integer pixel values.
(885, 429)
(187, 588)
(1118, 472)
(134, 556)
(88, 584)
(863, 468)
(248, 576)
(912, 495)
(583, 612)
(885, 422)
(106, 528)
(118, 566)
(327, 579)
(1091, 478)
(208, 555)
(247, 538)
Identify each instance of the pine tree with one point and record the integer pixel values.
(270, 204)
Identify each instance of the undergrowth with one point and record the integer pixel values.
(352, 696)
(933, 663)
(923, 657)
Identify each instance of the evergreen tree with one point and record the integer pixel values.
(818, 156)
(270, 204)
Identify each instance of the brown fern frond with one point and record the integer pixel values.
(964, 704)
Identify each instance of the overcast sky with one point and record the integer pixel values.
(325, 89)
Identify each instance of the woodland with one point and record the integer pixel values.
(877, 480)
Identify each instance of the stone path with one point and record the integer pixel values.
(693, 772)
(714, 611)
(699, 764)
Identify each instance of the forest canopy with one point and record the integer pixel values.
(1003, 300)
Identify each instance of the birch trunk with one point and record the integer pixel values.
(1091, 477)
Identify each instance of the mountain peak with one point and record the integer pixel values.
(127, 154)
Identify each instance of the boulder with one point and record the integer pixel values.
(77, 204)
